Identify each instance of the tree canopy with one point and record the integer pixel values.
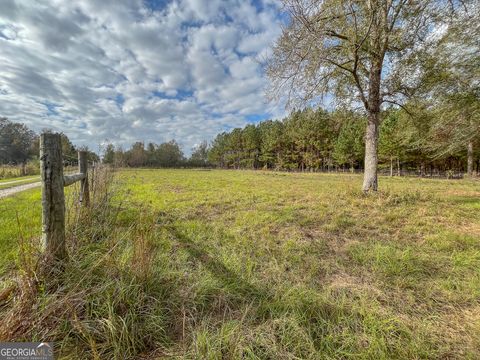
(17, 142)
(360, 51)
(317, 140)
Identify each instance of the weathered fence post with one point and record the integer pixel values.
(83, 169)
(53, 197)
(92, 180)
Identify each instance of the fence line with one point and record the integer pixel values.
(53, 197)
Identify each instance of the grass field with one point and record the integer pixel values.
(20, 218)
(263, 265)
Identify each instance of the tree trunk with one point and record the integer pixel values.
(422, 169)
(470, 158)
(370, 180)
(399, 173)
(391, 166)
(372, 105)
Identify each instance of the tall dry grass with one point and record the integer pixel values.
(99, 305)
(13, 171)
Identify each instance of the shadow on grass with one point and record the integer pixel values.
(240, 288)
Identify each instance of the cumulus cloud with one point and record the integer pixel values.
(135, 70)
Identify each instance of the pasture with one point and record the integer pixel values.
(256, 265)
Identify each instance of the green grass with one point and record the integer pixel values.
(263, 265)
(20, 218)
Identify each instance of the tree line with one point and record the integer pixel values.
(414, 140)
(423, 140)
(319, 140)
(20, 145)
(165, 155)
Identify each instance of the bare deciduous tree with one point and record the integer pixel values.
(362, 50)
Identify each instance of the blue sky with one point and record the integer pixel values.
(127, 71)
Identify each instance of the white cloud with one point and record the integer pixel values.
(116, 69)
(244, 68)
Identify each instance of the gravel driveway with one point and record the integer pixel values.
(16, 189)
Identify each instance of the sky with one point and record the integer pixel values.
(122, 71)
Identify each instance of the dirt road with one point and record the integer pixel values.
(17, 189)
(18, 181)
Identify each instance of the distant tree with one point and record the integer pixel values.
(311, 134)
(35, 147)
(349, 145)
(415, 129)
(218, 149)
(69, 151)
(391, 147)
(151, 154)
(92, 156)
(109, 154)
(272, 146)
(233, 155)
(17, 142)
(293, 156)
(169, 154)
(309, 140)
(120, 157)
(137, 155)
(199, 157)
(250, 146)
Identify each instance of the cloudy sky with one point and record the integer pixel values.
(133, 70)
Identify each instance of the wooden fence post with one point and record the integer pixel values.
(83, 169)
(92, 179)
(53, 197)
